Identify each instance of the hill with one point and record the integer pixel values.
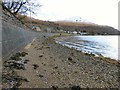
(69, 26)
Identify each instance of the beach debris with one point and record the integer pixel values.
(18, 55)
(70, 59)
(13, 79)
(46, 46)
(54, 87)
(56, 67)
(86, 53)
(72, 54)
(40, 48)
(35, 66)
(75, 88)
(23, 54)
(40, 76)
(14, 65)
(15, 62)
(51, 57)
(14, 57)
(44, 64)
(35, 47)
(26, 61)
(41, 55)
(76, 72)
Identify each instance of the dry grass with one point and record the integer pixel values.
(27, 19)
(64, 23)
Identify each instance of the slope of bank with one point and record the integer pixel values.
(15, 35)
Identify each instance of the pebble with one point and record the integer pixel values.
(56, 67)
(40, 76)
(41, 56)
(75, 88)
(54, 87)
(69, 58)
(35, 66)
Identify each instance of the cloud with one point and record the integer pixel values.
(104, 12)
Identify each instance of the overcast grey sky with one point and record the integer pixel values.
(103, 12)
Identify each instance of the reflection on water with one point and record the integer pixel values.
(104, 45)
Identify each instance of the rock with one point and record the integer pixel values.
(14, 57)
(75, 88)
(86, 53)
(46, 46)
(51, 57)
(23, 54)
(14, 65)
(26, 61)
(35, 66)
(14, 79)
(54, 87)
(41, 56)
(71, 61)
(56, 67)
(18, 55)
(40, 76)
(69, 58)
(72, 54)
(76, 72)
(39, 48)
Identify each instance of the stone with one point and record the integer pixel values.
(41, 56)
(40, 76)
(14, 65)
(56, 67)
(26, 61)
(54, 87)
(23, 54)
(15, 58)
(69, 58)
(35, 66)
(75, 88)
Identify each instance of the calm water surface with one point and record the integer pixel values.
(99, 45)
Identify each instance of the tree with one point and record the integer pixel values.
(20, 6)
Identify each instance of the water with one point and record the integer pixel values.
(99, 45)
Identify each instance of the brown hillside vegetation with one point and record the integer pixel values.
(65, 23)
(90, 28)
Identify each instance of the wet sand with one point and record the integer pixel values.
(52, 65)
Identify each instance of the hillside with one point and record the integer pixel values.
(70, 26)
(89, 28)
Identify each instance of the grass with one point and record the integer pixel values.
(63, 23)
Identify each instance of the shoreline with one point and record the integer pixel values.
(62, 40)
(50, 64)
(107, 59)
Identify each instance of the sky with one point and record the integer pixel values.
(102, 12)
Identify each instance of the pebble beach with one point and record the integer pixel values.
(46, 64)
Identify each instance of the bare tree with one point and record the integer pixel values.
(20, 6)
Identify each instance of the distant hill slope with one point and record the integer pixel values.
(77, 19)
(88, 27)
(69, 23)
(56, 26)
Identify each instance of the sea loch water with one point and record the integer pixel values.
(101, 45)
